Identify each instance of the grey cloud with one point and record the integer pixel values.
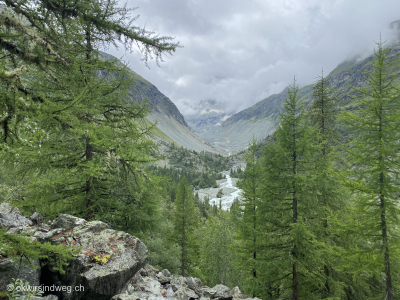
(239, 52)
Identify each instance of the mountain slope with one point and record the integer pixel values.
(166, 115)
(171, 125)
(262, 118)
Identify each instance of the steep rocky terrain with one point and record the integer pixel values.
(262, 118)
(170, 122)
(171, 125)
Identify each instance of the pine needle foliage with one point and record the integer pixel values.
(248, 227)
(23, 250)
(373, 174)
(46, 35)
(329, 191)
(184, 219)
(290, 259)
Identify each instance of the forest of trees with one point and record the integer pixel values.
(319, 218)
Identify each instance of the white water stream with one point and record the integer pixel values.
(229, 189)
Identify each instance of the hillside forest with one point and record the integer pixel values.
(319, 218)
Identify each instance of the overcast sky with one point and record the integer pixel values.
(238, 52)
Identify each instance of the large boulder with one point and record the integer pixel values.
(106, 261)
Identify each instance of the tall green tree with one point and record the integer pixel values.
(216, 237)
(248, 235)
(329, 190)
(95, 136)
(43, 36)
(184, 219)
(290, 258)
(373, 175)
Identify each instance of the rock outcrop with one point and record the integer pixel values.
(151, 284)
(110, 264)
(107, 260)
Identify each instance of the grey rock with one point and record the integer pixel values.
(16, 230)
(197, 282)
(133, 296)
(16, 211)
(107, 261)
(10, 269)
(163, 279)
(149, 271)
(67, 222)
(174, 287)
(44, 228)
(170, 292)
(178, 280)
(12, 220)
(166, 273)
(48, 297)
(151, 286)
(237, 294)
(37, 218)
(185, 294)
(44, 237)
(219, 291)
(5, 208)
(194, 284)
(140, 296)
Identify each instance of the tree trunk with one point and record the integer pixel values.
(183, 250)
(389, 289)
(295, 213)
(89, 200)
(295, 283)
(183, 233)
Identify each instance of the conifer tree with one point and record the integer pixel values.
(42, 36)
(184, 218)
(248, 235)
(90, 124)
(329, 189)
(373, 174)
(216, 253)
(289, 207)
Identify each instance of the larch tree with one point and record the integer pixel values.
(184, 219)
(329, 190)
(373, 157)
(44, 35)
(216, 257)
(290, 257)
(96, 138)
(248, 235)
